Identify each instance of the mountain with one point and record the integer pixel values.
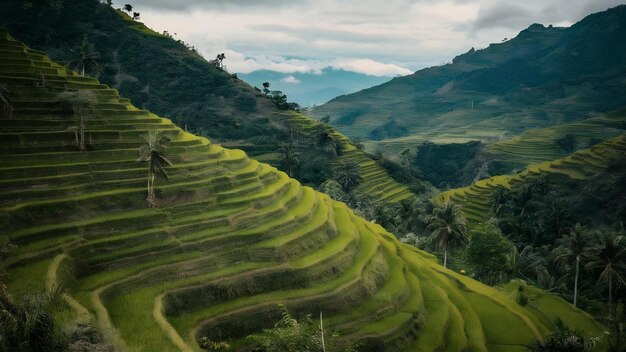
(188, 89)
(228, 239)
(542, 77)
(308, 89)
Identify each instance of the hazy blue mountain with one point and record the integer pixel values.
(309, 89)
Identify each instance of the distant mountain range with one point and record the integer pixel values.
(309, 89)
(542, 77)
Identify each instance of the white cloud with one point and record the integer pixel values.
(290, 80)
(370, 67)
(363, 36)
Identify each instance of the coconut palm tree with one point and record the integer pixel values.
(499, 198)
(290, 158)
(610, 257)
(154, 153)
(348, 174)
(86, 57)
(81, 103)
(449, 228)
(576, 248)
(5, 102)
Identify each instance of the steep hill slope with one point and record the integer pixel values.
(538, 145)
(544, 76)
(192, 92)
(581, 165)
(230, 239)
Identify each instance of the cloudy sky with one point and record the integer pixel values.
(374, 37)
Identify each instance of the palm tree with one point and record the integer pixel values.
(576, 247)
(289, 158)
(5, 101)
(85, 56)
(610, 256)
(29, 325)
(348, 174)
(449, 228)
(499, 198)
(154, 153)
(81, 103)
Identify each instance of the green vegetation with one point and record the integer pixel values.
(154, 153)
(448, 228)
(197, 94)
(231, 239)
(489, 253)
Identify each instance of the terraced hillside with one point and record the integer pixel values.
(376, 182)
(230, 239)
(209, 101)
(536, 146)
(580, 165)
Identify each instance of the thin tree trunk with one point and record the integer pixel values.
(82, 133)
(576, 281)
(445, 257)
(322, 330)
(610, 297)
(149, 183)
(82, 73)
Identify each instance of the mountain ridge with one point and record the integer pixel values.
(543, 76)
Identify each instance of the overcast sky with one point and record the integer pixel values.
(375, 37)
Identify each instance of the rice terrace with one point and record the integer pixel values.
(155, 200)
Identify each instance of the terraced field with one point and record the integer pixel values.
(536, 146)
(582, 164)
(376, 182)
(230, 239)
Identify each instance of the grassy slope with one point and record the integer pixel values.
(231, 238)
(544, 76)
(188, 89)
(582, 164)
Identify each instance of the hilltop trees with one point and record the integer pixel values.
(448, 226)
(81, 104)
(219, 61)
(128, 8)
(154, 153)
(278, 98)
